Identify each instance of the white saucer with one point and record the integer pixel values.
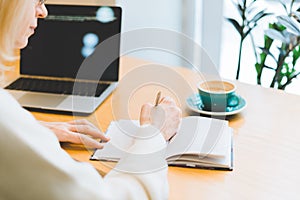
(194, 103)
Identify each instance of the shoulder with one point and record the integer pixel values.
(10, 108)
(18, 121)
(8, 103)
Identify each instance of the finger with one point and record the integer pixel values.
(179, 112)
(78, 138)
(88, 130)
(82, 122)
(176, 120)
(168, 100)
(145, 114)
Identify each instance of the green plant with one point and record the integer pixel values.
(250, 15)
(286, 32)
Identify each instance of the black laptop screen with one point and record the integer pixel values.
(71, 36)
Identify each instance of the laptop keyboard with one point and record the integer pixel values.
(58, 87)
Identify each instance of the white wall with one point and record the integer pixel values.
(209, 33)
(212, 19)
(162, 14)
(200, 20)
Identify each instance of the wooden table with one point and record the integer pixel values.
(266, 144)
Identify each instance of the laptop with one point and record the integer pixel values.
(71, 63)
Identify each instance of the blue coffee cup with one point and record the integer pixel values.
(217, 95)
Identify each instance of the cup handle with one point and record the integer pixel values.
(233, 100)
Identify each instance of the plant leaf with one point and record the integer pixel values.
(291, 73)
(239, 8)
(296, 15)
(259, 16)
(268, 42)
(249, 30)
(294, 74)
(296, 55)
(236, 25)
(290, 24)
(263, 56)
(269, 67)
(276, 35)
(277, 26)
(251, 4)
(251, 7)
(283, 4)
(258, 68)
(267, 51)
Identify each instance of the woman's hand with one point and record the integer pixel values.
(166, 116)
(77, 132)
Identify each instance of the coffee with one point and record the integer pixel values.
(217, 86)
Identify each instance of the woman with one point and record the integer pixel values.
(78, 131)
(33, 166)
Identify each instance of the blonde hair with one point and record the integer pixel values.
(11, 16)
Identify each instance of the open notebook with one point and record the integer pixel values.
(200, 142)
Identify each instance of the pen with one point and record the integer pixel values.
(157, 98)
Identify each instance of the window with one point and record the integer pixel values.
(230, 47)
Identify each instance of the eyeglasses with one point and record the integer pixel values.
(41, 2)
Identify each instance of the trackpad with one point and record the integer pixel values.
(41, 100)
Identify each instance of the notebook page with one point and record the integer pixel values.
(199, 135)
